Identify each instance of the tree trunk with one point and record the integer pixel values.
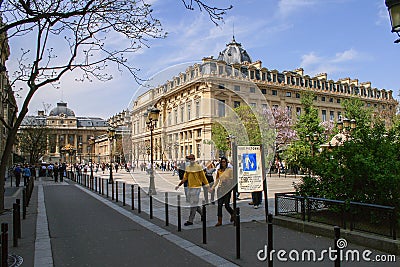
(4, 162)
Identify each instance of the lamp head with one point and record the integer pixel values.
(394, 13)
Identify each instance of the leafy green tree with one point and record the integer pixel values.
(218, 136)
(365, 168)
(32, 139)
(308, 128)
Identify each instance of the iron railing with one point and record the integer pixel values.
(370, 218)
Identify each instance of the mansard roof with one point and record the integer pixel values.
(234, 53)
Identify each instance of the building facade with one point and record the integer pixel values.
(8, 105)
(191, 101)
(68, 137)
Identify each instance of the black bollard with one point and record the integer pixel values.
(203, 218)
(133, 196)
(123, 194)
(116, 191)
(237, 214)
(4, 244)
(107, 188)
(15, 225)
(166, 210)
(23, 204)
(337, 240)
(112, 191)
(151, 206)
(179, 213)
(18, 202)
(270, 241)
(139, 200)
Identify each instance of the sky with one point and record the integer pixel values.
(343, 38)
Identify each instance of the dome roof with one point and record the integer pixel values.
(234, 53)
(62, 109)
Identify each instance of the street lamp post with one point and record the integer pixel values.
(394, 12)
(152, 118)
(91, 143)
(111, 136)
(80, 152)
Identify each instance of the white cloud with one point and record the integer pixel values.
(287, 7)
(310, 59)
(345, 55)
(339, 62)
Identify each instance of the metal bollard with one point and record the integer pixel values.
(151, 206)
(203, 218)
(336, 230)
(15, 225)
(107, 188)
(179, 213)
(18, 202)
(166, 210)
(112, 191)
(270, 241)
(133, 196)
(139, 200)
(116, 191)
(23, 204)
(4, 244)
(123, 194)
(237, 214)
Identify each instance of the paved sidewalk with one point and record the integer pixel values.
(85, 228)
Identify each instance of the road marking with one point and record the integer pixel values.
(180, 242)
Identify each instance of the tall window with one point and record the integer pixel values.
(289, 111)
(323, 115)
(71, 139)
(189, 110)
(221, 108)
(332, 115)
(176, 115)
(182, 113)
(198, 150)
(252, 89)
(298, 111)
(236, 88)
(197, 109)
(274, 92)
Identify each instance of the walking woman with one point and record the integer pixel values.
(224, 182)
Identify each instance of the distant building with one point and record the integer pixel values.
(68, 130)
(190, 100)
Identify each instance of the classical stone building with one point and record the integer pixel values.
(8, 105)
(66, 130)
(190, 101)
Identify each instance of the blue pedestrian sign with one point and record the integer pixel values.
(249, 162)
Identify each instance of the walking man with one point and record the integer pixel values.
(195, 177)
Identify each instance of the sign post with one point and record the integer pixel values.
(250, 166)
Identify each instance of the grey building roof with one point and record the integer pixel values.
(91, 122)
(234, 53)
(62, 109)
